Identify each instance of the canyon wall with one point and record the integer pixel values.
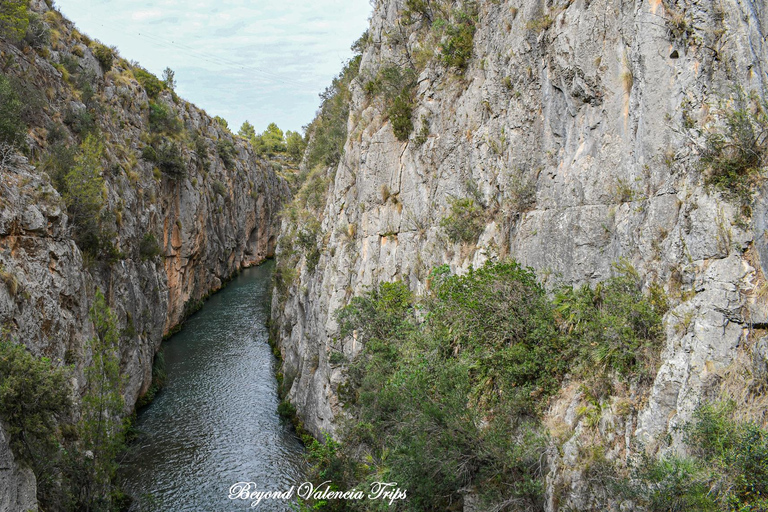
(173, 238)
(577, 128)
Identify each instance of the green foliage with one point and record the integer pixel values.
(151, 84)
(400, 113)
(83, 191)
(613, 327)
(166, 154)
(395, 85)
(14, 19)
(540, 24)
(81, 121)
(162, 119)
(149, 248)
(304, 233)
(38, 33)
(221, 122)
(247, 131)
(169, 78)
(456, 49)
(158, 380)
(418, 9)
(328, 132)
(105, 55)
(457, 393)
(226, 151)
(270, 142)
(220, 189)
(12, 127)
(734, 159)
(456, 383)
(726, 471)
(100, 430)
(465, 222)
(34, 397)
(295, 145)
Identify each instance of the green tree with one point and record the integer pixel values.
(12, 128)
(34, 396)
(247, 131)
(101, 430)
(14, 19)
(271, 141)
(169, 78)
(295, 145)
(84, 195)
(223, 122)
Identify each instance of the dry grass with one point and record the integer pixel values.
(627, 81)
(748, 390)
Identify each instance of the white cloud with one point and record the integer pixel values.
(241, 59)
(146, 15)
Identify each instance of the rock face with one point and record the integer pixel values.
(208, 223)
(577, 127)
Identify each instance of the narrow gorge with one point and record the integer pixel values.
(520, 265)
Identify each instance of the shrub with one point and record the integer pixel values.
(271, 141)
(34, 396)
(84, 196)
(12, 127)
(457, 393)
(400, 113)
(149, 248)
(169, 78)
(327, 133)
(613, 327)
(100, 430)
(226, 151)
(221, 122)
(167, 156)
(220, 189)
(105, 55)
(162, 119)
(456, 49)
(396, 85)
(418, 9)
(733, 161)
(38, 35)
(80, 121)
(465, 222)
(151, 84)
(295, 145)
(14, 19)
(727, 469)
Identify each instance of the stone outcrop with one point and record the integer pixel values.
(577, 128)
(208, 223)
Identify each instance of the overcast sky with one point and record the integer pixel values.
(264, 61)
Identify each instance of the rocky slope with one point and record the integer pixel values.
(576, 130)
(173, 238)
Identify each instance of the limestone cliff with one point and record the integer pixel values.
(577, 129)
(172, 238)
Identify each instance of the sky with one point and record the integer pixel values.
(256, 60)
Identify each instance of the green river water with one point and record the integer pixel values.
(215, 423)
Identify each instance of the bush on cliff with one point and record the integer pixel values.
(456, 381)
(734, 158)
(14, 19)
(726, 469)
(12, 127)
(34, 398)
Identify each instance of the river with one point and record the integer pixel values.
(215, 422)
